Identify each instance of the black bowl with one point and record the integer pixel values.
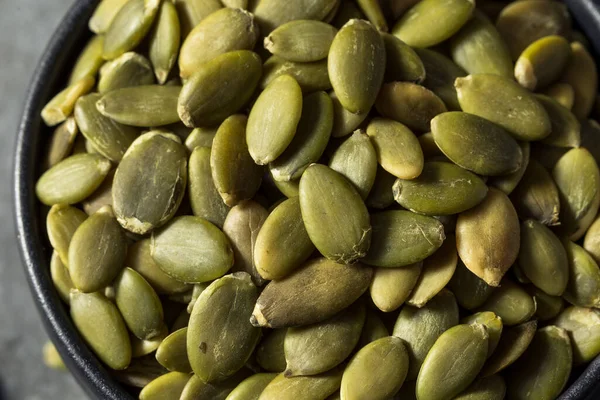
(64, 46)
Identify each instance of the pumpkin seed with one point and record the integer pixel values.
(90, 60)
(582, 325)
(391, 287)
(510, 302)
(103, 15)
(542, 62)
(61, 106)
(311, 76)
(309, 387)
(583, 288)
(301, 41)
(513, 343)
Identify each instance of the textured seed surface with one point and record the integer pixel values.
(583, 288)
(130, 69)
(301, 41)
(582, 325)
(311, 387)
(164, 41)
(591, 241)
(510, 302)
(172, 352)
(391, 287)
(493, 326)
(536, 196)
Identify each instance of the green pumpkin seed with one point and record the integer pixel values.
(344, 236)
(511, 303)
(270, 354)
(441, 189)
(141, 348)
(274, 119)
(52, 358)
(493, 325)
(411, 104)
(415, 26)
(344, 122)
(100, 324)
(301, 41)
(209, 40)
(356, 65)
(440, 74)
(317, 348)
(508, 183)
(197, 389)
(356, 150)
(548, 307)
(487, 237)
(581, 73)
(391, 287)
(225, 306)
(313, 293)
(303, 387)
(61, 224)
(562, 93)
(381, 195)
(97, 251)
(566, 129)
(200, 137)
(374, 13)
(167, 386)
(583, 288)
(309, 142)
(373, 329)
(479, 48)
(402, 62)
(252, 387)
(198, 263)
(582, 325)
(333, 13)
(542, 62)
(490, 388)
(243, 4)
(349, 10)
(281, 229)
(61, 144)
(191, 12)
(104, 14)
(196, 292)
(150, 182)
(505, 103)
(60, 277)
(591, 242)
(543, 371)
(129, 27)
(513, 343)
(274, 13)
(129, 70)
(436, 273)
(61, 106)
(203, 102)
(288, 189)
(172, 352)
(421, 327)
(470, 290)
(164, 41)
(311, 77)
(101, 196)
(90, 60)
(428, 146)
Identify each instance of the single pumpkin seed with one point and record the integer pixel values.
(513, 343)
(402, 62)
(493, 326)
(172, 352)
(251, 388)
(470, 290)
(391, 287)
(192, 12)
(548, 307)
(583, 288)
(303, 387)
(128, 70)
(200, 137)
(581, 73)
(591, 242)
(61, 144)
(61, 277)
(373, 329)
(344, 122)
(536, 196)
(440, 74)
(301, 41)
(542, 62)
(141, 348)
(288, 189)
(374, 13)
(103, 15)
(490, 388)
(508, 183)
(511, 303)
(566, 129)
(164, 41)
(274, 13)
(167, 386)
(428, 146)
(270, 354)
(197, 389)
(61, 224)
(381, 195)
(311, 77)
(90, 60)
(61, 106)
(582, 325)
(563, 93)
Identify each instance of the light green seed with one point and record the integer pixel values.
(311, 76)
(251, 388)
(583, 288)
(310, 387)
(536, 196)
(128, 70)
(61, 224)
(511, 303)
(301, 41)
(493, 325)
(61, 106)
(391, 287)
(61, 278)
(172, 352)
(542, 62)
(582, 325)
(164, 41)
(90, 60)
(167, 386)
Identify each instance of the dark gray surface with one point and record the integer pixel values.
(25, 26)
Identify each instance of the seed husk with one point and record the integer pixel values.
(542, 62)
(566, 129)
(582, 75)
(90, 60)
(61, 144)
(313, 293)
(164, 41)
(356, 65)
(60, 277)
(542, 372)
(103, 15)
(344, 122)
(548, 307)
(476, 144)
(493, 325)
(510, 302)
(310, 140)
(311, 77)
(479, 48)
(490, 388)
(172, 352)
(374, 13)
(317, 348)
(273, 13)
(61, 106)
(97, 251)
(391, 287)
(470, 290)
(583, 288)
(513, 343)
(505, 103)
(583, 326)
(440, 74)
(61, 224)
(198, 263)
(203, 102)
(436, 273)
(356, 150)
(225, 306)
(128, 70)
(381, 195)
(191, 12)
(150, 182)
(100, 324)
(309, 387)
(273, 120)
(563, 93)
(129, 27)
(167, 386)
(270, 354)
(421, 327)
(402, 62)
(208, 39)
(301, 41)
(251, 388)
(441, 189)
(198, 389)
(487, 237)
(200, 137)
(411, 104)
(508, 183)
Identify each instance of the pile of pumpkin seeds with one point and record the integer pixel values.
(329, 199)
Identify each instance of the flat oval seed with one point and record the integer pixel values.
(100, 324)
(164, 41)
(591, 242)
(270, 354)
(150, 182)
(61, 144)
(511, 303)
(373, 329)
(61, 106)
(60, 277)
(563, 93)
(537, 196)
(192, 12)
(476, 144)
(583, 288)
(103, 15)
(505, 103)
(311, 138)
(441, 189)
(252, 387)
(61, 224)
(581, 73)
(542, 62)
(440, 74)
(274, 13)
(470, 290)
(129, 27)
(566, 129)
(488, 237)
(402, 62)
(225, 306)
(409, 103)
(543, 371)
(90, 60)
(200, 137)
(311, 294)
(398, 149)
(142, 106)
(97, 251)
(301, 41)
(198, 389)
(490, 388)
(172, 352)
(356, 65)
(303, 387)
(273, 120)
(381, 194)
(235, 175)
(110, 138)
(421, 327)
(493, 325)
(356, 150)
(436, 273)
(282, 230)
(204, 197)
(317, 348)
(374, 13)
(453, 362)
(198, 263)
(342, 234)
(583, 327)
(391, 287)
(513, 343)
(344, 122)
(377, 371)
(415, 26)
(167, 386)
(479, 48)
(209, 39)
(508, 183)
(130, 69)
(311, 76)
